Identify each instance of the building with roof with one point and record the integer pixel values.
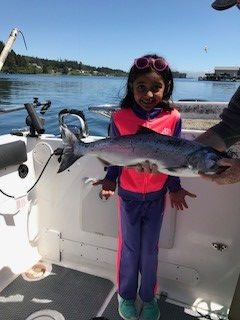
(223, 74)
(232, 72)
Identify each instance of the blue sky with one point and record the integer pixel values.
(112, 33)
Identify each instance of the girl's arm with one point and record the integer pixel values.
(176, 193)
(109, 182)
(173, 183)
(113, 172)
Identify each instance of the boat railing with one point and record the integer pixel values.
(188, 109)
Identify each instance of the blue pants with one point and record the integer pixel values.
(139, 229)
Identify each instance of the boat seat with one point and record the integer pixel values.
(12, 153)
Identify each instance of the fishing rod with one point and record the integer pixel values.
(9, 44)
(45, 105)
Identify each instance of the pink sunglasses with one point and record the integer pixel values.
(143, 63)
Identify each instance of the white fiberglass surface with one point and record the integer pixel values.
(199, 247)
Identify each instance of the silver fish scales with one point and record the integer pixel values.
(173, 156)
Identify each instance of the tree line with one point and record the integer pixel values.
(16, 63)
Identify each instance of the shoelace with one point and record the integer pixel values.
(128, 302)
(149, 305)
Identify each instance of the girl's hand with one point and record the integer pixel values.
(147, 167)
(177, 199)
(108, 187)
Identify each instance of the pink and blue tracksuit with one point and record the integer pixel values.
(141, 204)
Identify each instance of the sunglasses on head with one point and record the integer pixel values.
(158, 64)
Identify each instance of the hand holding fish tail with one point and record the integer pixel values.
(108, 187)
(228, 176)
(177, 199)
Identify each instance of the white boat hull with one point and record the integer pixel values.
(63, 220)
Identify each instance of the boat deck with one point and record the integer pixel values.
(70, 293)
(67, 294)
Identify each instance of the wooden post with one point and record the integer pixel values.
(8, 47)
(234, 313)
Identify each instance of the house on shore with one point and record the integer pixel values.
(223, 74)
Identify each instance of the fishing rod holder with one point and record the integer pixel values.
(79, 132)
(35, 123)
(45, 105)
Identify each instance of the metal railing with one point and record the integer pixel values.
(188, 109)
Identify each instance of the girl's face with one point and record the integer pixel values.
(148, 90)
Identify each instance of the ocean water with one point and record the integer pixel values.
(74, 92)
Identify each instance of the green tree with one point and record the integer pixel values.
(45, 69)
(65, 70)
(10, 63)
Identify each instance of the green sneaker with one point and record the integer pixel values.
(127, 309)
(150, 311)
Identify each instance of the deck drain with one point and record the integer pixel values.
(46, 315)
(38, 272)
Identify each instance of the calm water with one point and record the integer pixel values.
(74, 92)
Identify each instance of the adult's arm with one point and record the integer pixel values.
(227, 131)
(221, 137)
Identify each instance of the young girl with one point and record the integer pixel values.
(142, 194)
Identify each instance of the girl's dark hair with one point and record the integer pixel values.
(134, 73)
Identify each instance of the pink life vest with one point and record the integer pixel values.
(128, 123)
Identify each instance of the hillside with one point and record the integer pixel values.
(16, 63)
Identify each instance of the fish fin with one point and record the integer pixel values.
(172, 169)
(175, 169)
(104, 162)
(68, 156)
(146, 130)
(67, 135)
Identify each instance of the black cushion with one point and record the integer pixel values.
(12, 153)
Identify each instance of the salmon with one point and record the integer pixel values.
(173, 156)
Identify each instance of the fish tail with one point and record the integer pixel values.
(68, 155)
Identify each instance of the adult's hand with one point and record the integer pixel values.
(229, 176)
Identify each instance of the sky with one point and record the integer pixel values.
(113, 33)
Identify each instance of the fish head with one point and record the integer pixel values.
(204, 161)
(210, 163)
